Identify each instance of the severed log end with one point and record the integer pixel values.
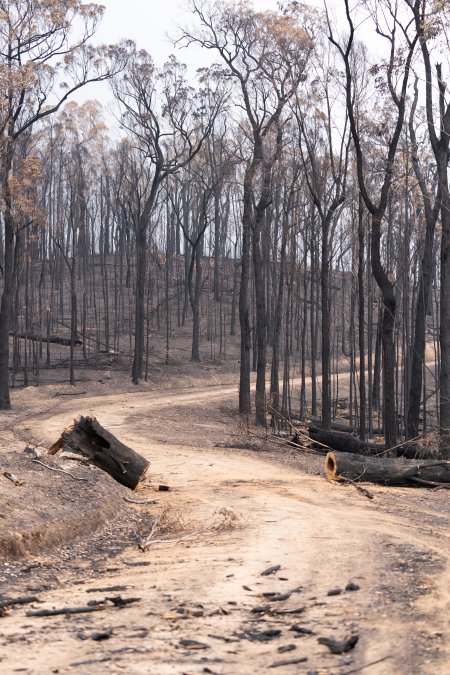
(59, 444)
(331, 466)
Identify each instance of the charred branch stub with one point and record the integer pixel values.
(88, 437)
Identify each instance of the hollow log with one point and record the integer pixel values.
(88, 437)
(386, 470)
(345, 442)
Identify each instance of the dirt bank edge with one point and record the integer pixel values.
(50, 509)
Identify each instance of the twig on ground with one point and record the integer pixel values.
(363, 491)
(430, 483)
(67, 610)
(288, 662)
(70, 393)
(51, 468)
(143, 545)
(149, 541)
(366, 665)
(282, 442)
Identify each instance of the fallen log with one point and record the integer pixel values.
(385, 470)
(51, 339)
(346, 428)
(88, 437)
(345, 442)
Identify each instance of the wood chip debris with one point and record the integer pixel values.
(288, 662)
(271, 570)
(339, 646)
(12, 477)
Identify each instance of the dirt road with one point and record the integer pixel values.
(231, 515)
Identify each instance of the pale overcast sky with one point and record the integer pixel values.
(148, 22)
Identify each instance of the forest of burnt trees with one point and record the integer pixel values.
(292, 199)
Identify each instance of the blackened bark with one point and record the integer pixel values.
(378, 209)
(423, 293)
(325, 317)
(245, 405)
(261, 330)
(361, 323)
(139, 319)
(5, 310)
(441, 149)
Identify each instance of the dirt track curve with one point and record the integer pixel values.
(232, 515)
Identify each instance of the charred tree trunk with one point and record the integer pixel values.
(423, 293)
(8, 287)
(245, 405)
(390, 421)
(139, 318)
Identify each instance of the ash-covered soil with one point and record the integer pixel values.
(195, 600)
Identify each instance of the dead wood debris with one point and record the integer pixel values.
(107, 589)
(10, 602)
(286, 612)
(140, 502)
(34, 450)
(270, 570)
(70, 393)
(260, 636)
(339, 646)
(288, 662)
(12, 477)
(367, 665)
(98, 636)
(192, 644)
(277, 597)
(301, 630)
(93, 606)
(359, 488)
(87, 437)
(286, 648)
(120, 602)
(51, 468)
(66, 610)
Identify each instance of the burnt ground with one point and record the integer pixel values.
(238, 504)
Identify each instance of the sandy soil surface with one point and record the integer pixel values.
(194, 601)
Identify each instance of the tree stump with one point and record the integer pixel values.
(88, 437)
